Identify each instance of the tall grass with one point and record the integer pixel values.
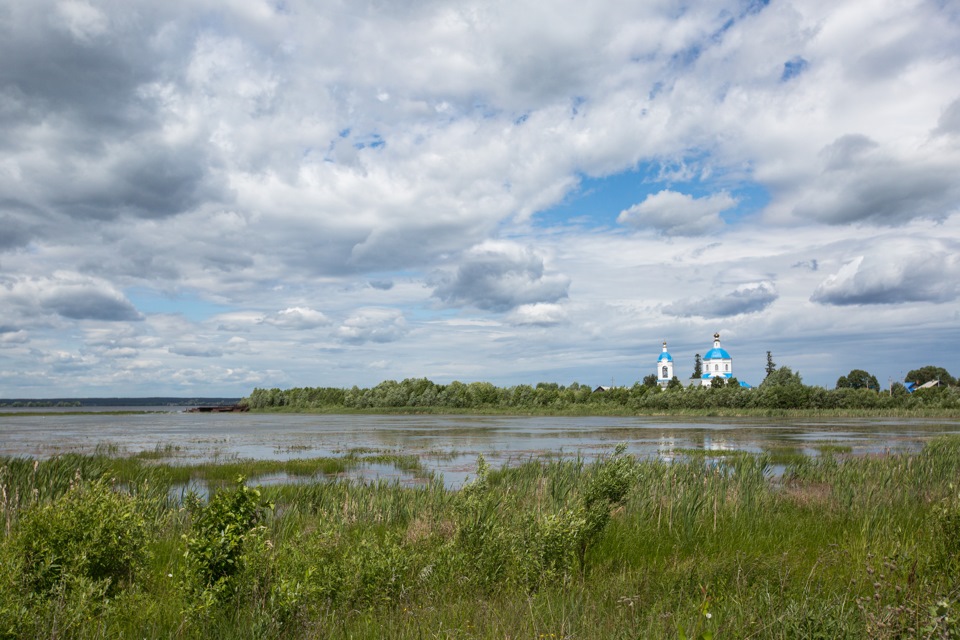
(836, 546)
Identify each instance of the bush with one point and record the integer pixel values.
(606, 489)
(91, 532)
(486, 545)
(222, 532)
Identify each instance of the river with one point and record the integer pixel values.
(447, 445)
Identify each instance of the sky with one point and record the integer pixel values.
(203, 197)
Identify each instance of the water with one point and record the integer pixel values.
(446, 445)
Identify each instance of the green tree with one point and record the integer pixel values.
(697, 366)
(454, 395)
(650, 380)
(784, 376)
(858, 379)
(771, 365)
(928, 373)
(483, 394)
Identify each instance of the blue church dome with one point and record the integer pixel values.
(665, 357)
(717, 354)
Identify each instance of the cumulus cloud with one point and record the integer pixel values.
(678, 214)
(373, 325)
(120, 352)
(949, 122)
(251, 157)
(196, 350)
(747, 298)
(540, 314)
(82, 21)
(14, 337)
(63, 361)
(85, 302)
(300, 318)
(499, 276)
(860, 181)
(895, 273)
(68, 295)
(238, 321)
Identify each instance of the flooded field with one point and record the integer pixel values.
(445, 445)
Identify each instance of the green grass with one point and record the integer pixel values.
(839, 546)
(829, 448)
(704, 453)
(159, 452)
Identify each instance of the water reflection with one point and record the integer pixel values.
(446, 445)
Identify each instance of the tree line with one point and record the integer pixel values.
(782, 389)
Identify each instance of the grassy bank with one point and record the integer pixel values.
(619, 411)
(839, 546)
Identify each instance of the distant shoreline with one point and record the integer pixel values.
(578, 412)
(152, 401)
(106, 412)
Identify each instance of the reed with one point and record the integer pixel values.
(834, 545)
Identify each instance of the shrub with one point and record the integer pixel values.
(91, 532)
(607, 489)
(222, 532)
(482, 539)
(555, 541)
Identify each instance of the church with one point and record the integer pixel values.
(717, 363)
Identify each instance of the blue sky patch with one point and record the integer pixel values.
(792, 68)
(188, 305)
(599, 201)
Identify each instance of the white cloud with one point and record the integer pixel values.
(907, 271)
(14, 337)
(538, 314)
(678, 214)
(860, 182)
(68, 295)
(373, 325)
(195, 350)
(396, 165)
(499, 276)
(83, 21)
(300, 318)
(747, 298)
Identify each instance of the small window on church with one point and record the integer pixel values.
(716, 367)
(664, 373)
(726, 367)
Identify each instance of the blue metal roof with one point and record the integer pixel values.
(665, 357)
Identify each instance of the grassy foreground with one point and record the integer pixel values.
(839, 547)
